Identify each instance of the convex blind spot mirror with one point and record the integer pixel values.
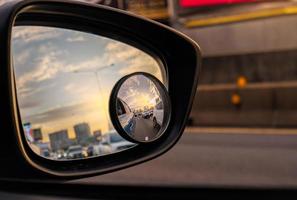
(140, 107)
(64, 79)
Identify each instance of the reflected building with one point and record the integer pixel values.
(37, 134)
(59, 140)
(82, 133)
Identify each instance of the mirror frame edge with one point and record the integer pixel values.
(112, 106)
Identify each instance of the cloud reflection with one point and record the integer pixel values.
(65, 77)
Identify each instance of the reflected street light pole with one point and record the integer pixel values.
(96, 73)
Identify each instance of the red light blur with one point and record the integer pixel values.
(200, 3)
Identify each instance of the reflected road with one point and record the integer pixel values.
(144, 128)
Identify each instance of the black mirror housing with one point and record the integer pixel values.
(180, 56)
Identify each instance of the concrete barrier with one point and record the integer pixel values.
(265, 107)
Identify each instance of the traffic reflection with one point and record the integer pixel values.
(140, 108)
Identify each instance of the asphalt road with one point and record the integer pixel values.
(144, 128)
(216, 160)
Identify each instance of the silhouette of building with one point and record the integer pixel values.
(37, 134)
(82, 133)
(59, 140)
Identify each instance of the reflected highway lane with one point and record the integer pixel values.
(217, 159)
(144, 128)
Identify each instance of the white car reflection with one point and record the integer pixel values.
(113, 142)
(74, 152)
(126, 116)
(158, 114)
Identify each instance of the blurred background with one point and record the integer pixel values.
(249, 71)
(243, 128)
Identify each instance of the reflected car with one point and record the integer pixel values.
(74, 152)
(147, 114)
(115, 142)
(59, 155)
(158, 114)
(101, 149)
(90, 151)
(46, 153)
(40, 149)
(126, 116)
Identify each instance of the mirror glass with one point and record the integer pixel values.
(142, 107)
(64, 79)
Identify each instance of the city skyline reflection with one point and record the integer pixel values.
(64, 78)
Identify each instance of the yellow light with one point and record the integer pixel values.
(241, 81)
(235, 99)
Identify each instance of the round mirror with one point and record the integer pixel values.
(140, 107)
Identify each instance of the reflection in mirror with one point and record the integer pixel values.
(64, 79)
(142, 107)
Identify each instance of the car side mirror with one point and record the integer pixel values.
(74, 73)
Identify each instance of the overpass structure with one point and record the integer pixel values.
(263, 51)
